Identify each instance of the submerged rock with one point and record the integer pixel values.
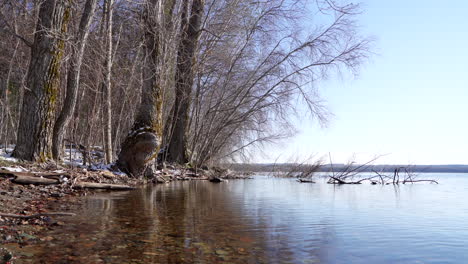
(216, 180)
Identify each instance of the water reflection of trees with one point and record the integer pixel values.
(189, 222)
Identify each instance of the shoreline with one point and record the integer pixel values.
(26, 209)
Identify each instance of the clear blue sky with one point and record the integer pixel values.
(410, 100)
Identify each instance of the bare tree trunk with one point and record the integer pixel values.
(73, 80)
(91, 120)
(141, 145)
(34, 140)
(6, 112)
(107, 85)
(191, 28)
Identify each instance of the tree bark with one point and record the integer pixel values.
(191, 29)
(34, 140)
(142, 144)
(73, 80)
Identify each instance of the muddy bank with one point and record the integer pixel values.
(34, 203)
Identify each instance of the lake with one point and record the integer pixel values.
(267, 220)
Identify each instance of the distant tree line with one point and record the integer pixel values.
(329, 168)
(198, 81)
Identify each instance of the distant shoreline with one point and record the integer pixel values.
(269, 167)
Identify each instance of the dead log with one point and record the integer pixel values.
(37, 178)
(20, 179)
(106, 186)
(12, 174)
(305, 180)
(335, 180)
(413, 181)
(50, 174)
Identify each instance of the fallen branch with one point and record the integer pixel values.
(411, 181)
(7, 173)
(382, 181)
(106, 186)
(351, 171)
(44, 178)
(12, 174)
(37, 178)
(36, 215)
(339, 181)
(34, 180)
(305, 180)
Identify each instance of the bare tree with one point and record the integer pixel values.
(17, 23)
(141, 145)
(210, 80)
(256, 63)
(191, 29)
(41, 92)
(109, 5)
(73, 78)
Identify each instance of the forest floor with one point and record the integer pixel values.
(28, 208)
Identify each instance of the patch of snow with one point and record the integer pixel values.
(5, 153)
(14, 169)
(101, 166)
(119, 173)
(73, 157)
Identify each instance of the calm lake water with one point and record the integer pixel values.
(268, 220)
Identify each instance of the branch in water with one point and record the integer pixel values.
(36, 215)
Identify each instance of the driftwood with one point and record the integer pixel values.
(413, 181)
(7, 173)
(106, 186)
(305, 181)
(36, 215)
(12, 174)
(34, 180)
(351, 171)
(336, 180)
(33, 176)
(45, 178)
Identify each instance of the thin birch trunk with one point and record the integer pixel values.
(107, 85)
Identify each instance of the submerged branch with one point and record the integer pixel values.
(36, 215)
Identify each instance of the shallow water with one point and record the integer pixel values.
(267, 220)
